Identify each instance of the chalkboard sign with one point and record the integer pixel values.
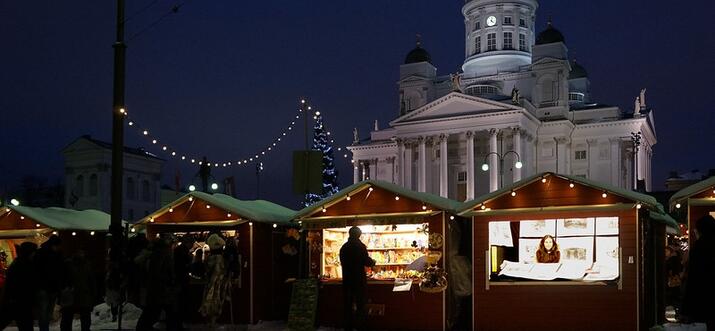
(303, 305)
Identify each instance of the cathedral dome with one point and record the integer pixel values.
(577, 71)
(417, 55)
(549, 36)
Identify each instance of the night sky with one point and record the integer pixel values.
(223, 78)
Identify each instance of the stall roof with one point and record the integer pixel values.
(254, 210)
(693, 190)
(648, 201)
(434, 200)
(65, 219)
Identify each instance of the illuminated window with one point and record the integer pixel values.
(580, 155)
(522, 43)
(508, 42)
(491, 42)
(477, 45)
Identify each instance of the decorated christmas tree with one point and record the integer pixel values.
(321, 142)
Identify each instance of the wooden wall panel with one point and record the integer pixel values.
(375, 202)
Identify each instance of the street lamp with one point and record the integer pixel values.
(259, 169)
(501, 157)
(14, 202)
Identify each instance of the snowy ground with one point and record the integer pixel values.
(102, 320)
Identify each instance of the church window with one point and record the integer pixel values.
(522, 22)
(477, 25)
(522, 43)
(491, 42)
(580, 155)
(462, 176)
(93, 185)
(482, 90)
(146, 196)
(130, 189)
(477, 45)
(547, 90)
(79, 186)
(507, 20)
(576, 96)
(508, 42)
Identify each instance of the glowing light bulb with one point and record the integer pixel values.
(37, 225)
(208, 206)
(518, 164)
(228, 215)
(214, 186)
(543, 180)
(250, 223)
(677, 205)
(424, 207)
(171, 210)
(192, 188)
(397, 198)
(191, 199)
(91, 233)
(74, 233)
(275, 225)
(348, 198)
(485, 167)
(130, 123)
(484, 207)
(639, 206)
(153, 141)
(571, 185)
(324, 210)
(134, 230)
(14, 202)
(604, 195)
(370, 189)
(22, 217)
(451, 217)
(146, 133)
(513, 193)
(151, 220)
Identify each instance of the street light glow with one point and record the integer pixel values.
(518, 164)
(214, 186)
(192, 188)
(485, 167)
(15, 202)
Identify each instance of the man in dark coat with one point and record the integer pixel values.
(160, 283)
(50, 270)
(18, 297)
(698, 301)
(354, 259)
(79, 294)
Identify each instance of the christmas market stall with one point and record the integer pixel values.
(694, 201)
(406, 233)
(85, 230)
(260, 251)
(557, 252)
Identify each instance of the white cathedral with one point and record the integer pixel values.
(519, 107)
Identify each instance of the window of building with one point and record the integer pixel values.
(576, 96)
(507, 20)
(130, 189)
(522, 43)
(482, 90)
(580, 155)
(93, 185)
(79, 186)
(462, 176)
(146, 192)
(508, 41)
(477, 25)
(477, 45)
(522, 22)
(491, 42)
(588, 249)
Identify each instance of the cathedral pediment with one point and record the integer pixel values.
(454, 104)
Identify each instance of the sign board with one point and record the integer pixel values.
(303, 305)
(307, 172)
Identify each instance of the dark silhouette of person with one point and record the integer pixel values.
(354, 259)
(78, 296)
(699, 298)
(548, 251)
(159, 282)
(50, 270)
(19, 294)
(198, 266)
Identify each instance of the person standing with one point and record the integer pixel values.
(215, 290)
(19, 293)
(699, 298)
(50, 271)
(78, 296)
(354, 258)
(158, 282)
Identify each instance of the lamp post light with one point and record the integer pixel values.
(501, 157)
(259, 169)
(636, 138)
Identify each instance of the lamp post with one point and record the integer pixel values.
(518, 164)
(636, 139)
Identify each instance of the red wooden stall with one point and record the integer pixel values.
(398, 226)
(260, 292)
(695, 201)
(610, 274)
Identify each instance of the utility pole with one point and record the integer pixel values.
(118, 114)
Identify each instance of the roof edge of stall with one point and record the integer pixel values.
(59, 218)
(693, 189)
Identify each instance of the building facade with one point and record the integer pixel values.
(519, 101)
(88, 164)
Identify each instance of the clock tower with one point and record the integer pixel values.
(499, 35)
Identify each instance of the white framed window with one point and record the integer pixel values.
(480, 90)
(581, 155)
(507, 20)
(477, 45)
(508, 40)
(491, 42)
(576, 96)
(462, 176)
(522, 43)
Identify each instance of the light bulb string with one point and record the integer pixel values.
(174, 152)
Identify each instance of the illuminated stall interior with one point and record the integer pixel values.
(258, 228)
(694, 202)
(564, 237)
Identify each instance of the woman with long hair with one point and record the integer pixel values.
(548, 251)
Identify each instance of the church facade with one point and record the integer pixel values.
(520, 106)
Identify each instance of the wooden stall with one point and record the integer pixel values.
(399, 226)
(267, 258)
(84, 230)
(610, 243)
(695, 201)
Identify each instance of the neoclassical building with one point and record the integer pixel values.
(519, 98)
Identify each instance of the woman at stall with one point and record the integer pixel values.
(215, 290)
(548, 251)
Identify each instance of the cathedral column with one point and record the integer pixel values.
(591, 157)
(443, 155)
(356, 171)
(407, 167)
(400, 162)
(516, 135)
(615, 161)
(493, 161)
(641, 161)
(470, 165)
(422, 165)
(562, 155)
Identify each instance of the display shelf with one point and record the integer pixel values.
(394, 248)
(389, 264)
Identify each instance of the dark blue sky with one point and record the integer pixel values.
(222, 78)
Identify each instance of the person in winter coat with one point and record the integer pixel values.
(699, 298)
(216, 288)
(50, 270)
(20, 284)
(78, 296)
(354, 259)
(159, 282)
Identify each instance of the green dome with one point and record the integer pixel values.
(418, 55)
(577, 71)
(550, 36)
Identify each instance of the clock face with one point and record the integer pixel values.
(491, 21)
